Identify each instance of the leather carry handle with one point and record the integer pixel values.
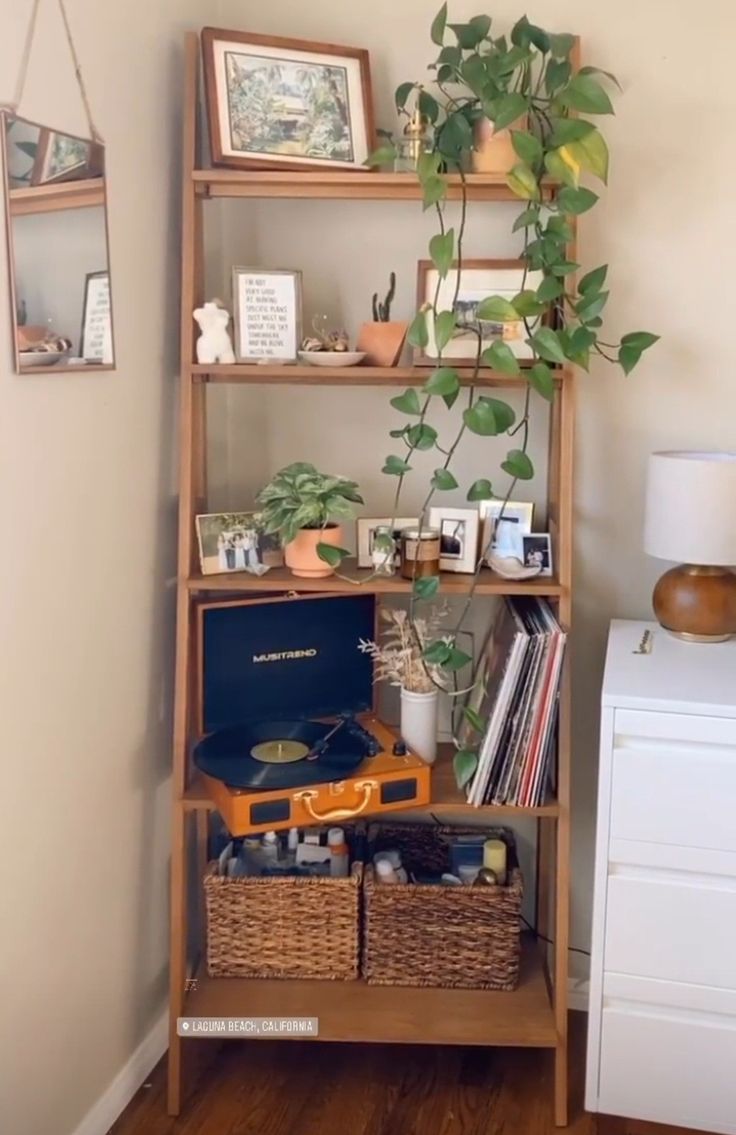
(306, 798)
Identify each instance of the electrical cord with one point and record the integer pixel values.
(551, 941)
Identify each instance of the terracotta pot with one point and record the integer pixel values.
(382, 342)
(493, 151)
(301, 554)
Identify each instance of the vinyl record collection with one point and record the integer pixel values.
(519, 696)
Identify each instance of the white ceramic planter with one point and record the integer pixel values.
(419, 723)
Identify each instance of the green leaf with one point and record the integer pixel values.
(523, 183)
(563, 267)
(566, 130)
(395, 467)
(597, 71)
(464, 764)
(456, 660)
(641, 340)
(500, 357)
(331, 555)
(418, 335)
(547, 344)
(480, 490)
(451, 399)
(496, 309)
(451, 56)
(576, 201)
(382, 156)
(444, 480)
(518, 465)
(542, 379)
(407, 403)
(475, 74)
(557, 73)
(470, 35)
(561, 44)
(561, 170)
(577, 347)
(528, 305)
(527, 146)
(509, 108)
(455, 136)
(426, 587)
(471, 715)
(591, 306)
(558, 229)
(585, 93)
(428, 165)
(437, 653)
(442, 250)
(428, 106)
(444, 327)
(422, 436)
(549, 289)
(592, 282)
(398, 433)
(489, 417)
(529, 217)
(524, 33)
(591, 153)
(444, 380)
(402, 94)
(439, 23)
(434, 189)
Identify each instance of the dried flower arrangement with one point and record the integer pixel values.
(400, 659)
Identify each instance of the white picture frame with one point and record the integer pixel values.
(536, 549)
(518, 517)
(364, 528)
(95, 341)
(267, 314)
(458, 528)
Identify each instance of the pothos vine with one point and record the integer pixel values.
(529, 83)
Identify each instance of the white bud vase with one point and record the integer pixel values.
(419, 723)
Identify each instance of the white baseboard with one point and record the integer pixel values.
(120, 1092)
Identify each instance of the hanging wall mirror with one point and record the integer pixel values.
(56, 210)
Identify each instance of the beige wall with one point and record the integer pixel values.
(87, 499)
(665, 225)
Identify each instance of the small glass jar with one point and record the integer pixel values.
(420, 552)
(415, 142)
(383, 550)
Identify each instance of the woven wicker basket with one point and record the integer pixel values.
(425, 934)
(283, 927)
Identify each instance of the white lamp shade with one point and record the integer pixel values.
(691, 508)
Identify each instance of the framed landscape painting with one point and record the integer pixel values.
(286, 103)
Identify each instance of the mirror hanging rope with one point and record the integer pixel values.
(12, 107)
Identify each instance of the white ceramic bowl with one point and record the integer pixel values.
(332, 358)
(41, 358)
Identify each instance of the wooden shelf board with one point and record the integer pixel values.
(349, 185)
(61, 195)
(356, 1011)
(448, 801)
(256, 374)
(452, 583)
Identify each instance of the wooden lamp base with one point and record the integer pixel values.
(697, 604)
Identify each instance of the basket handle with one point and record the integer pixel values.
(306, 797)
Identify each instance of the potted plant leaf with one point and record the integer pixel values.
(383, 338)
(304, 506)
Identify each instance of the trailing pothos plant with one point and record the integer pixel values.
(527, 82)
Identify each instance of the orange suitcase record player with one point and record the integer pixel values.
(289, 736)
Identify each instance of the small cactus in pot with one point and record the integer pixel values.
(383, 338)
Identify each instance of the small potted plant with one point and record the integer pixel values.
(303, 506)
(383, 339)
(400, 659)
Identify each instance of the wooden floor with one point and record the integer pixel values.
(294, 1088)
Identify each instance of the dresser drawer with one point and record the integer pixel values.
(674, 779)
(672, 926)
(675, 1068)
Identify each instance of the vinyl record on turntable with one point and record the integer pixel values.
(279, 754)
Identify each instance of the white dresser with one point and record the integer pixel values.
(662, 1027)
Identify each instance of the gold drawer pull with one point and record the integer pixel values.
(306, 797)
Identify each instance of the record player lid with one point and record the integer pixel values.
(292, 658)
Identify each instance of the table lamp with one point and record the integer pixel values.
(691, 519)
